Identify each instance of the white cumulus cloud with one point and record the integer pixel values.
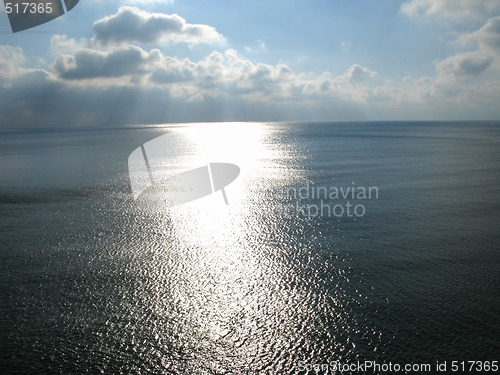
(131, 24)
(356, 74)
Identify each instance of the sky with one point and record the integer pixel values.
(114, 62)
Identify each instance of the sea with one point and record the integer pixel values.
(341, 245)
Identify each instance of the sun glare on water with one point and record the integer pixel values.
(217, 245)
(229, 281)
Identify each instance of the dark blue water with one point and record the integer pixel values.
(91, 282)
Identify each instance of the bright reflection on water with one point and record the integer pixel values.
(92, 282)
(237, 287)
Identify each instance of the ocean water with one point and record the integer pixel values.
(345, 242)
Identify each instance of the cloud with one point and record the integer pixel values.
(487, 37)
(216, 75)
(345, 46)
(172, 70)
(455, 10)
(473, 63)
(88, 77)
(465, 84)
(61, 44)
(88, 63)
(260, 46)
(112, 78)
(464, 65)
(356, 74)
(11, 59)
(127, 84)
(131, 24)
(467, 78)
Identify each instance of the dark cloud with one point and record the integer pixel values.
(473, 66)
(87, 63)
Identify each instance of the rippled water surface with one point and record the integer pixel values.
(91, 281)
